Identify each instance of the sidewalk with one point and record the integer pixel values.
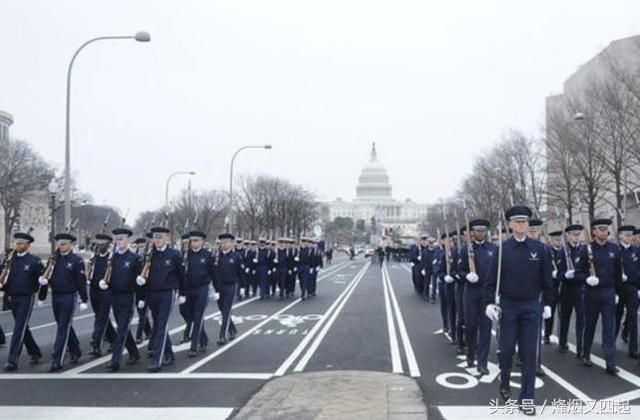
(337, 395)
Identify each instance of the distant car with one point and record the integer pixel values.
(368, 252)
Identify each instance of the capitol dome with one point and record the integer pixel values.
(373, 182)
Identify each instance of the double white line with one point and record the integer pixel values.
(392, 308)
(329, 316)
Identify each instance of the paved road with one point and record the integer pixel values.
(364, 318)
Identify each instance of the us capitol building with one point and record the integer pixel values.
(374, 200)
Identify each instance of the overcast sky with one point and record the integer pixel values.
(434, 83)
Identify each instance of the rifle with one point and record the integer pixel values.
(92, 261)
(470, 250)
(446, 245)
(499, 273)
(587, 229)
(4, 275)
(565, 246)
(109, 270)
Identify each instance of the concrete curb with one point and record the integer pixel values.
(337, 395)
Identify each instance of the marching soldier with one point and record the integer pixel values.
(273, 278)
(535, 233)
(316, 264)
(428, 259)
(304, 268)
(292, 267)
(161, 278)
(100, 299)
(251, 260)
(572, 283)
(415, 258)
(555, 239)
(227, 276)
(194, 289)
(120, 279)
(262, 261)
(513, 299)
(629, 290)
(448, 259)
(459, 286)
(183, 304)
(280, 262)
(242, 285)
(144, 325)
(19, 280)
(67, 280)
(478, 269)
(602, 268)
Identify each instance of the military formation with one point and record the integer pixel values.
(148, 276)
(517, 282)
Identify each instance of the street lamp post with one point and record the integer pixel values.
(166, 190)
(139, 37)
(233, 159)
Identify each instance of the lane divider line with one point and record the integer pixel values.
(394, 345)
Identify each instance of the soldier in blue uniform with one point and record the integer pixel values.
(292, 267)
(183, 306)
(535, 233)
(124, 267)
(194, 288)
(304, 267)
(280, 262)
(446, 280)
(572, 285)
(144, 325)
(415, 259)
(429, 291)
(477, 270)
(67, 281)
(602, 268)
(316, 265)
(242, 285)
(227, 276)
(628, 302)
(555, 239)
(20, 285)
(161, 278)
(100, 299)
(525, 273)
(449, 286)
(459, 286)
(262, 261)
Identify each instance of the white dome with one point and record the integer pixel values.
(373, 182)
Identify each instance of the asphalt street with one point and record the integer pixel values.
(364, 318)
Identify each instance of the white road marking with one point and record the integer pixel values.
(414, 370)
(184, 346)
(394, 345)
(52, 324)
(160, 375)
(314, 346)
(239, 339)
(626, 396)
(298, 350)
(109, 413)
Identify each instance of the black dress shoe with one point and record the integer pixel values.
(540, 373)
(471, 363)
(35, 359)
(563, 349)
(612, 370)
(202, 349)
(55, 367)
(221, 341)
(153, 369)
(10, 367)
(482, 370)
(95, 352)
(168, 360)
(633, 355)
(461, 351)
(112, 367)
(505, 393)
(232, 336)
(192, 353)
(547, 340)
(149, 354)
(75, 358)
(132, 360)
(587, 362)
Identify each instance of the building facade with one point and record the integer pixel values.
(374, 202)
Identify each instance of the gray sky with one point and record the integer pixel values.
(434, 83)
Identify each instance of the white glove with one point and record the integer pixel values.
(246, 271)
(255, 261)
(268, 272)
(554, 274)
(412, 264)
(83, 306)
(617, 299)
(419, 258)
(216, 295)
(492, 312)
(625, 277)
(43, 281)
(448, 279)
(40, 303)
(295, 269)
(141, 304)
(296, 259)
(181, 299)
(423, 272)
(311, 271)
(316, 269)
(570, 274)
(472, 278)
(275, 261)
(141, 281)
(593, 281)
(103, 285)
(289, 272)
(546, 312)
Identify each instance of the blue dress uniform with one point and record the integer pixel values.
(459, 285)
(477, 325)
(525, 274)
(161, 286)
(556, 259)
(316, 265)
(263, 263)
(415, 258)
(304, 265)
(629, 291)
(242, 285)
(272, 275)
(100, 299)
(199, 274)
(184, 308)
(572, 292)
(448, 291)
(292, 269)
(227, 276)
(600, 298)
(144, 325)
(281, 262)
(67, 281)
(20, 286)
(125, 267)
(251, 261)
(428, 261)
